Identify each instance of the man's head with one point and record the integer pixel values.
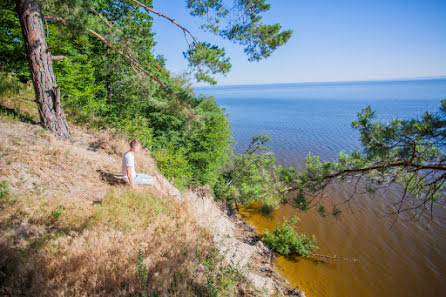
(135, 145)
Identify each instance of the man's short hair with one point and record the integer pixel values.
(134, 143)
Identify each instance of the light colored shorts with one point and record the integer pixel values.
(143, 179)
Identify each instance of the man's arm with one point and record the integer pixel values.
(130, 176)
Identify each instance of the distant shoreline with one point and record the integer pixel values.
(346, 82)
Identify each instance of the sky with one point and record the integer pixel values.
(338, 40)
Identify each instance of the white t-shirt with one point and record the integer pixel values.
(128, 161)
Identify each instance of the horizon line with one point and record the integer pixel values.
(334, 81)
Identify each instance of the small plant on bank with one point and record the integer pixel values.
(58, 212)
(4, 193)
(221, 280)
(142, 273)
(4, 189)
(285, 240)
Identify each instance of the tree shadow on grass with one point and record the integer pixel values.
(10, 112)
(22, 266)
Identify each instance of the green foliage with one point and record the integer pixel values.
(242, 24)
(142, 272)
(9, 85)
(210, 56)
(285, 240)
(4, 190)
(16, 99)
(336, 212)
(57, 212)
(208, 141)
(300, 200)
(11, 45)
(322, 210)
(252, 177)
(174, 165)
(190, 143)
(79, 98)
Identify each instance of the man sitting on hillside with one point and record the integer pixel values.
(128, 167)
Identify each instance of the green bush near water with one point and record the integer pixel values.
(253, 177)
(286, 241)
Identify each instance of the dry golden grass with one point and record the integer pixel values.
(56, 240)
(57, 247)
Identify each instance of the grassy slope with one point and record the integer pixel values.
(65, 232)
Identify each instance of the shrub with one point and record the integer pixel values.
(253, 177)
(58, 212)
(285, 240)
(4, 193)
(174, 165)
(4, 189)
(143, 274)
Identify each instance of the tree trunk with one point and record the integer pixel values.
(40, 63)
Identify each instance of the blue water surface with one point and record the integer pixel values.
(316, 117)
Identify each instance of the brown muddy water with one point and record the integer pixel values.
(403, 259)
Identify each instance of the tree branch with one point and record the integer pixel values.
(130, 59)
(433, 166)
(102, 18)
(167, 18)
(57, 58)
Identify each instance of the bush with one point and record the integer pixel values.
(4, 193)
(253, 177)
(285, 240)
(4, 189)
(174, 165)
(58, 212)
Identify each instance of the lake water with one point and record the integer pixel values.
(408, 259)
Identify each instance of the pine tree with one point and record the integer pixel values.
(40, 62)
